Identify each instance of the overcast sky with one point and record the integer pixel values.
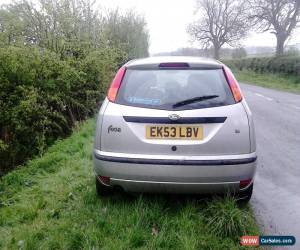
(167, 21)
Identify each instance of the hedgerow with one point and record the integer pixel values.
(42, 96)
(289, 65)
(56, 60)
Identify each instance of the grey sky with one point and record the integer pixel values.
(167, 21)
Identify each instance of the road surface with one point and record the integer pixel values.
(276, 197)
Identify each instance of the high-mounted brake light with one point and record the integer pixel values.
(115, 85)
(174, 65)
(233, 84)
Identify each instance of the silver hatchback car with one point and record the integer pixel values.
(178, 125)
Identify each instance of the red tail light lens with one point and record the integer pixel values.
(115, 85)
(245, 183)
(235, 89)
(104, 179)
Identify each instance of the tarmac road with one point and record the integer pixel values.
(276, 197)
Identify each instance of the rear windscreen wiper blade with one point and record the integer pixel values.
(194, 99)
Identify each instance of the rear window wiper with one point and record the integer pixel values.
(194, 99)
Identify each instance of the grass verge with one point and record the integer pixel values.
(51, 203)
(268, 80)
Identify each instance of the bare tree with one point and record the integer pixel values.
(281, 17)
(221, 22)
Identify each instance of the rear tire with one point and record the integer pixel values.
(102, 190)
(245, 195)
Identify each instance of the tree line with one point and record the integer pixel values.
(57, 58)
(223, 22)
(71, 28)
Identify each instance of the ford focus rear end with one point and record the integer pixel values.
(175, 124)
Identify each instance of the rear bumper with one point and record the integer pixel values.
(180, 175)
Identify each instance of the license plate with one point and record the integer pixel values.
(174, 132)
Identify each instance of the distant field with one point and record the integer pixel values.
(51, 203)
(269, 80)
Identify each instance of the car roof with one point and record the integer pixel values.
(155, 61)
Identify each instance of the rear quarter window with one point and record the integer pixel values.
(163, 88)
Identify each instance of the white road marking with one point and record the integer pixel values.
(270, 99)
(267, 98)
(260, 95)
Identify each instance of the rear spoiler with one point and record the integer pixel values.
(175, 65)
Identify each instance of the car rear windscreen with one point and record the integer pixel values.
(176, 89)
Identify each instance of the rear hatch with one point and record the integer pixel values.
(180, 110)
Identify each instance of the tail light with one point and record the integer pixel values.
(235, 89)
(104, 179)
(245, 183)
(115, 85)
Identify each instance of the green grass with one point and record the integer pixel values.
(51, 203)
(268, 80)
